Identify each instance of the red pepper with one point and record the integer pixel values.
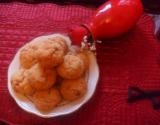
(112, 19)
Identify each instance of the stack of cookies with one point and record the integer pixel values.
(51, 71)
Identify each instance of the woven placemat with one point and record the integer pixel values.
(133, 59)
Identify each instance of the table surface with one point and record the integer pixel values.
(131, 60)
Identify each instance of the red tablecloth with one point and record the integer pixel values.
(133, 59)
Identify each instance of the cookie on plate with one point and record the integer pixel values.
(20, 82)
(46, 100)
(73, 89)
(71, 68)
(50, 53)
(84, 56)
(41, 78)
(61, 41)
(27, 55)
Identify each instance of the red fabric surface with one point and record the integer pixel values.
(133, 59)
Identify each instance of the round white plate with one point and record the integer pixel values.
(27, 105)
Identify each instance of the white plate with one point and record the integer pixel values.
(25, 104)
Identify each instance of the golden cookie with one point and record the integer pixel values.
(73, 89)
(21, 84)
(83, 55)
(46, 100)
(71, 68)
(41, 78)
(60, 41)
(27, 55)
(49, 53)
